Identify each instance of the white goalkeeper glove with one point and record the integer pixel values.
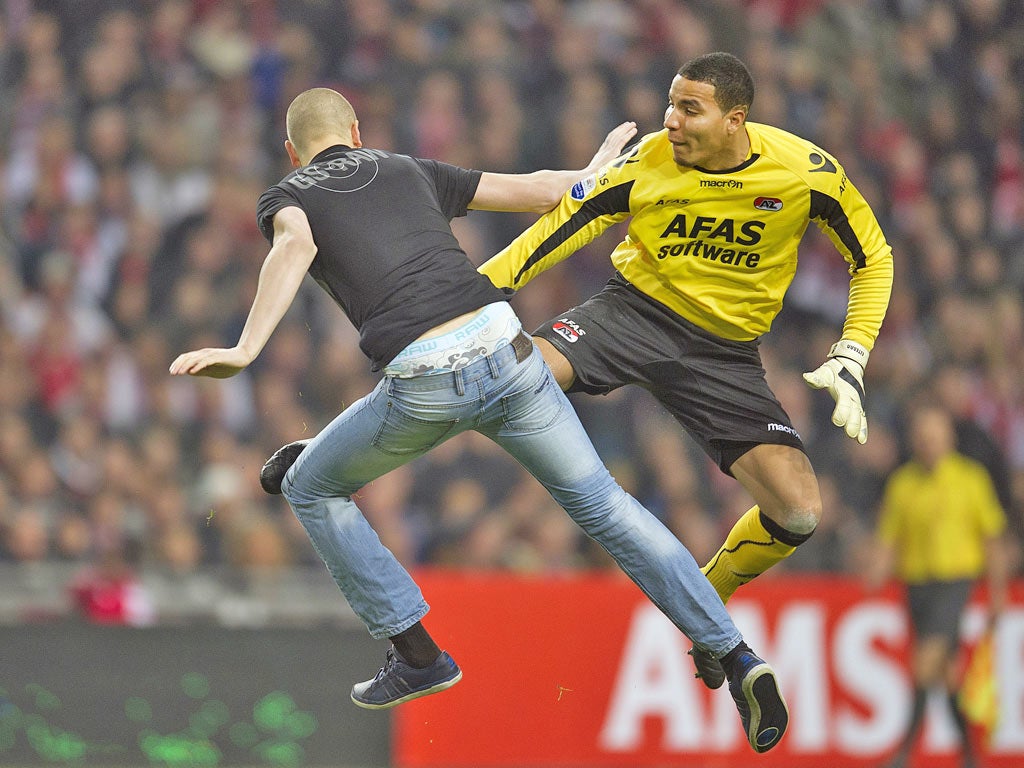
(843, 375)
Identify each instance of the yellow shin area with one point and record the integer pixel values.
(749, 550)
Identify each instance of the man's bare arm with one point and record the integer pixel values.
(540, 191)
(283, 269)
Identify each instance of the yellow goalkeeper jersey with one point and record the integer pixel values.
(717, 247)
(940, 521)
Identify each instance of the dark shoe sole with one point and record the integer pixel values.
(769, 715)
(437, 688)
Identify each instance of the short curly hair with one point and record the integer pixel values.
(734, 87)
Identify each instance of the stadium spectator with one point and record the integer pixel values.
(109, 592)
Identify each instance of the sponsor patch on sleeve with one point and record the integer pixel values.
(583, 188)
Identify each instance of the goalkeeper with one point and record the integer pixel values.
(717, 207)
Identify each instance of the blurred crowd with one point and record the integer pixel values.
(138, 135)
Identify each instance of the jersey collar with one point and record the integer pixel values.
(323, 153)
(755, 152)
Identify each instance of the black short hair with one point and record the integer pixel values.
(734, 87)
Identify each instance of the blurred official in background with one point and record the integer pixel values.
(939, 530)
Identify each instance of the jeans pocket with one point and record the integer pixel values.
(402, 433)
(534, 406)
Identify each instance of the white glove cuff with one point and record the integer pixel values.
(850, 350)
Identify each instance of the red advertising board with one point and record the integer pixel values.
(582, 670)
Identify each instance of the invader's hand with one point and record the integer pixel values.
(213, 362)
(614, 142)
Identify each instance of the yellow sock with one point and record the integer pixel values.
(749, 550)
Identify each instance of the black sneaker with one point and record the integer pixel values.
(709, 669)
(397, 681)
(759, 701)
(272, 474)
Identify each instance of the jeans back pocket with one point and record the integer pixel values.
(402, 432)
(535, 404)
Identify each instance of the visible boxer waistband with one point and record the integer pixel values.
(493, 327)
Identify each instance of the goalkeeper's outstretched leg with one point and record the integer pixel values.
(779, 477)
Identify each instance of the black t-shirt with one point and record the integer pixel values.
(386, 253)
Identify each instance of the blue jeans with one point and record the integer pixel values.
(521, 408)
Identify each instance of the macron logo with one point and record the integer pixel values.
(774, 427)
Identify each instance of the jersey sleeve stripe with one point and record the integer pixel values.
(607, 203)
(828, 209)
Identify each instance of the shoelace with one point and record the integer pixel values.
(389, 663)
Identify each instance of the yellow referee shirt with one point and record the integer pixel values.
(717, 247)
(939, 521)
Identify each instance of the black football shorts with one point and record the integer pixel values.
(936, 607)
(715, 388)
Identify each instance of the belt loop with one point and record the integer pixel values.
(523, 345)
(493, 366)
(460, 383)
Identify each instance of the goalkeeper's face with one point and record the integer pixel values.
(699, 132)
